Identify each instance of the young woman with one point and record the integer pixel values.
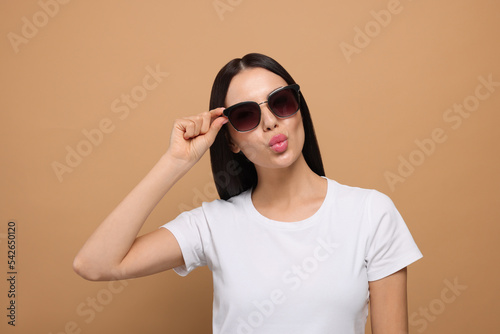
(291, 251)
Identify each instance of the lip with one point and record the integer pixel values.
(277, 139)
(279, 143)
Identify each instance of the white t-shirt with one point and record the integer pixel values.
(309, 276)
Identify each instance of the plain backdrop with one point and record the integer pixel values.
(400, 99)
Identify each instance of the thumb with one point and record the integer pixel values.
(215, 128)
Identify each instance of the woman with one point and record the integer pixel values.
(290, 250)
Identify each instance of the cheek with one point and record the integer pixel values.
(247, 142)
(243, 142)
(298, 127)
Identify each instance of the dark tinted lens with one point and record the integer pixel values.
(284, 103)
(245, 117)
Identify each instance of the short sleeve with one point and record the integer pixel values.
(390, 245)
(189, 229)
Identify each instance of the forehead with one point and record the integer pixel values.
(253, 84)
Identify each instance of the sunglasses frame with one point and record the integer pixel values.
(294, 87)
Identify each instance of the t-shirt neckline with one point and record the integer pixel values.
(295, 225)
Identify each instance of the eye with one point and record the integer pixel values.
(284, 103)
(243, 113)
(280, 100)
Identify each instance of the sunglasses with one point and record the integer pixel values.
(283, 102)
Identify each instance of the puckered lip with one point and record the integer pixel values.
(277, 139)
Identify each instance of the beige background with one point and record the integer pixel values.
(369, 108)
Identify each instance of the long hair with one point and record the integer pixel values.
(233, 173)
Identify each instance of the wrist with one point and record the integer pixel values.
(173, 162)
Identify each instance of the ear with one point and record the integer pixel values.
(234, 148)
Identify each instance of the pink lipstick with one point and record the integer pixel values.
(279, 143)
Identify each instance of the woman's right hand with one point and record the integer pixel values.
(192, 136)
(114, 251)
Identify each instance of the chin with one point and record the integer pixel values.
(282, 160)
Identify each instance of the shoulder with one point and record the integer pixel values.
(215, 213)
(347, 194)
(223, 208)
(352, 197)
(234, 201)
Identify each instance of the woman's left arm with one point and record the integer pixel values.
(388, 304)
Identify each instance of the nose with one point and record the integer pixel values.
(268, 120)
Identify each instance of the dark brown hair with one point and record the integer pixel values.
(233, 173)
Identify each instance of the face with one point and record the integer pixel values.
(276, 142)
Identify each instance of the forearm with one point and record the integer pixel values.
(111, 241)
(388, 304)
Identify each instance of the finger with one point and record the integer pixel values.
(189, 129)
(181, 125)
(194, 128)
(216, 112)
(208, 117)
(199, 124)
(215, 128)
(206, 120)
(197, 120)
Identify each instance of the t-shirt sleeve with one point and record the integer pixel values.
(189, 229)
(390, 246)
